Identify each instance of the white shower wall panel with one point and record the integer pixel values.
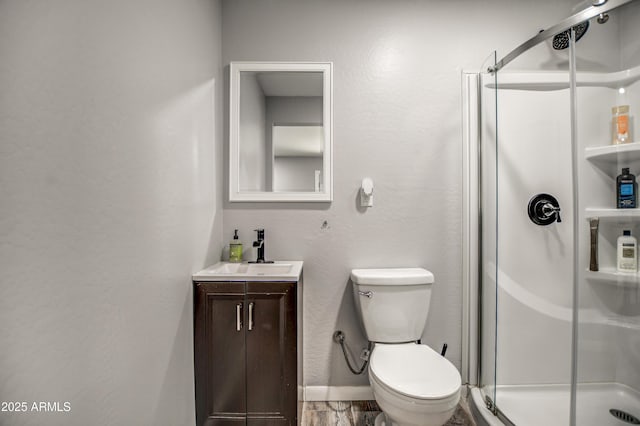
(609, 318)
(597, 188)
(627, 353)
(534, 157)
(630, 35)
(535, 277)
(535, 262)
(539, 353)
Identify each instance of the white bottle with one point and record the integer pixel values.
(627, 252)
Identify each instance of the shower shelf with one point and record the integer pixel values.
(611, 158)
(612, 215)
(612, 276)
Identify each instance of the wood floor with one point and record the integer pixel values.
(358, 413)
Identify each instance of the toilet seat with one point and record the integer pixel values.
(415, 371)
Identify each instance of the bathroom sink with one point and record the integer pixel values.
(225, 268)
(269, 268)
(226, 271)
(229, 268)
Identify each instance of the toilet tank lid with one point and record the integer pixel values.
(392, 276)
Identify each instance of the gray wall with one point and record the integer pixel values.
(111, 177)
(397, 119)
(109, 128)
(287, 110)
(253, 152)
(295, 173)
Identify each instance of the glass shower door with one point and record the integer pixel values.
(559, 323)
(607, 383)
(527, 262)
(488, 221)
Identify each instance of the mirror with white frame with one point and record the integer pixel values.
(280, 131)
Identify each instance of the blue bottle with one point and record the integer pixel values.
(626, 190)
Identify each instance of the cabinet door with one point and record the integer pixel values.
(220, 351)
(271, 354)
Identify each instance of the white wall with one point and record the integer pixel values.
(397, 119)
(629, 35)
(110, 181)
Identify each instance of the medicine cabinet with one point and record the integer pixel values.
(280, 132)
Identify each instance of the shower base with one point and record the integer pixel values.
(548, 405)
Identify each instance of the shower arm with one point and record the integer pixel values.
(596, 10)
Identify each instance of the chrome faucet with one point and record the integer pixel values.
(259, 243)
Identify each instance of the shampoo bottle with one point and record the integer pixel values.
(627, 252)
(620, 124)
(626, 190)
(235, 249)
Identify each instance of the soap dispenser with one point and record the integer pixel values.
(235, 249)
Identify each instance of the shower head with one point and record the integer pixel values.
(561, 41)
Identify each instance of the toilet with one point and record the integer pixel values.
(412, 383)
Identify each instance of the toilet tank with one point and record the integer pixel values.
(393, 303)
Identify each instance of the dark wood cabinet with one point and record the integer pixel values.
(246, 353)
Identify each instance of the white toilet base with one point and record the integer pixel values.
(400, 410)
(381, 420)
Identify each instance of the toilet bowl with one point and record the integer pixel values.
(413, 385)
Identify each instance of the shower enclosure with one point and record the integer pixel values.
(554, 338)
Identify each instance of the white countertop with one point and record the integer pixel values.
(280, 270)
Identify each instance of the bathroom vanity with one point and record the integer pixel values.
(248, 344)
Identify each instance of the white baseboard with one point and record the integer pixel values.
(338, 393)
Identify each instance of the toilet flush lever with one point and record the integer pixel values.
(368, 294)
